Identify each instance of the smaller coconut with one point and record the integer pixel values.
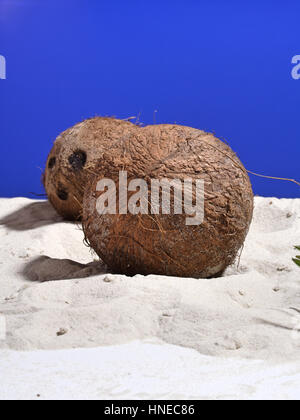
(73, 158)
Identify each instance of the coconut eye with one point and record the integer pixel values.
(52, 163)
(62, 194)
(78, 160)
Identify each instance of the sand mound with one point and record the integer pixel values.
(146, 369)
(53, 295)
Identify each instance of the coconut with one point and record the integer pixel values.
(73, 158)
(166, 244)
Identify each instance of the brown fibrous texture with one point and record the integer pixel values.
(73, 158)
(164, 244)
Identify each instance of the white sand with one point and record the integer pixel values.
(237, 337)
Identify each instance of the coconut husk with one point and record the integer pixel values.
(73, 158)
(164, 244)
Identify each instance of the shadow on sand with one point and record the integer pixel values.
(31, 216)
(50, 269)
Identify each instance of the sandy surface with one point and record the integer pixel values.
(105, 336)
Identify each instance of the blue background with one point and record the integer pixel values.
(222, 66)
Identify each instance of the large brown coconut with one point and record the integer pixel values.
(73, 158)
(165, 244)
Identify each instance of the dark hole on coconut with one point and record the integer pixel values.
(52, 163)
(62, 194)
(78, 160)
